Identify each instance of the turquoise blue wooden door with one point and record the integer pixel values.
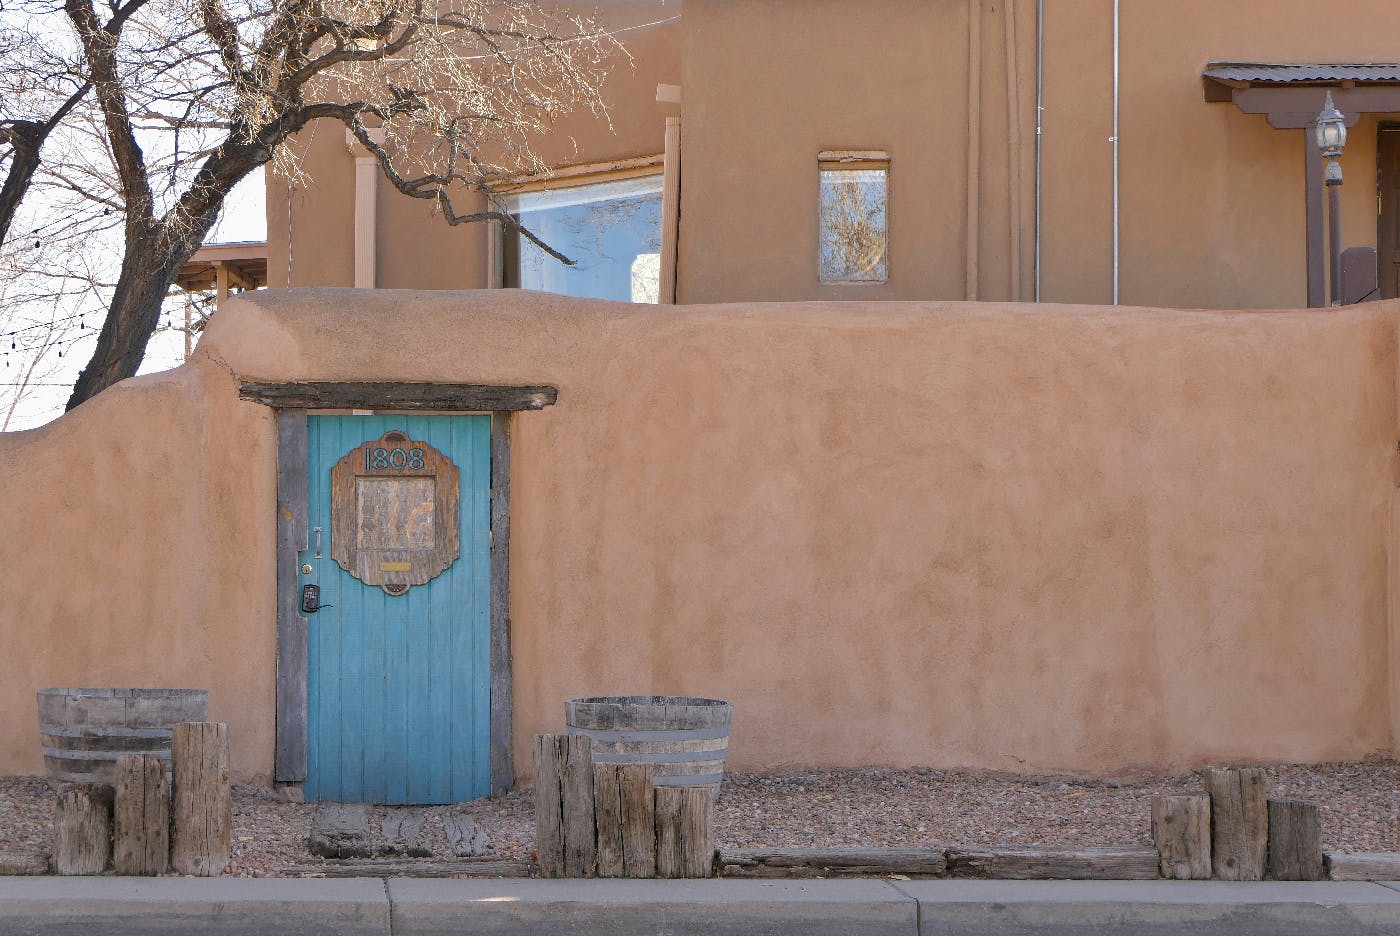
(398, 688)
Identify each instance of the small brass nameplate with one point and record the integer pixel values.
(395, 567)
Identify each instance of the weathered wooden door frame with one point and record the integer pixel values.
(293, 402)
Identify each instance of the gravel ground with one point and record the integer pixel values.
(1359, 803)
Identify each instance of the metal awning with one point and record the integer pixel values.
(1241, 74)
(1372, 86)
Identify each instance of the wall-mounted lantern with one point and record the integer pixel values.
(1331, 131)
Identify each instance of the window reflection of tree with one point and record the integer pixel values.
(586, 229)
(853, 242)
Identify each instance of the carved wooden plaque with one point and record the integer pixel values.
(394, 513)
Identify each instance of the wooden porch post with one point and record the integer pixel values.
(1317, 254)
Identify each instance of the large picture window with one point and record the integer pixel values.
(612, 229)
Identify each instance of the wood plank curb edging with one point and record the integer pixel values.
(1001, 862)
(831, 862)
(993, 862)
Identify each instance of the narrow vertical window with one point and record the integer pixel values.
(854, 202)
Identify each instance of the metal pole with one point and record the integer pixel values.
(1117, 81)
(1334, 231)
(1039, 128)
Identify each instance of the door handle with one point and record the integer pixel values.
(318, 542)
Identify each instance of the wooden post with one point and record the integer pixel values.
(141, 830)
(580, 831)
(697, 833)
(684, 837)
(1295, 841)
(203, 799)
(549, 806)
(1239, 823)
(668, 831)
(638, 808)
(607, 797)
(82, 829)
(1181, 832)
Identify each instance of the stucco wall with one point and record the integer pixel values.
(1212, 198)
(311, 224)
(1211, 212)
(135, 554)
(1039, 538)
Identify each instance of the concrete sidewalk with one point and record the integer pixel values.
(397, 907)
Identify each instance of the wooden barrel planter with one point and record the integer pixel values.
(83, 731)
(685, 739)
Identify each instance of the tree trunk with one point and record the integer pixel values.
(148, 271)
(25, 141)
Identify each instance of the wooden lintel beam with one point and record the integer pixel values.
(1292, 108)
(398, 396)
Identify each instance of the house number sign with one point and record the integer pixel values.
(394, 513)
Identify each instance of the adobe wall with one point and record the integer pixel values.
(135, 554)
(1025, 538)
(1211, 210)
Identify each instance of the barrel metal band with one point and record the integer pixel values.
(65, 754)
(605, 757)
(89, 731)
(688, 734)
(693, 780)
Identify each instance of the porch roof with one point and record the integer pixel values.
(1370, 87)
(1241, 74)
(1290, 96)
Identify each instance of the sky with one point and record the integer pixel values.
(244, 219)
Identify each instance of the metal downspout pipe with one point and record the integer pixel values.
(1040, 142)
(1117, 96)
(1039, 130)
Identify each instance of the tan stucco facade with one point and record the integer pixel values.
(1211, 210)
(1058, 538)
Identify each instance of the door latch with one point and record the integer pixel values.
(311, 599)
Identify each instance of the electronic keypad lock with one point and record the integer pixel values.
(311, 599)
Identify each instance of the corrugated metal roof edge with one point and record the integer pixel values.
(1284, 73)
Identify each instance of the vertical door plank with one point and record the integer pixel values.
(481, 604)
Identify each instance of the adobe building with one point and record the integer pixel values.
(1208, 155)
(393, 528)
